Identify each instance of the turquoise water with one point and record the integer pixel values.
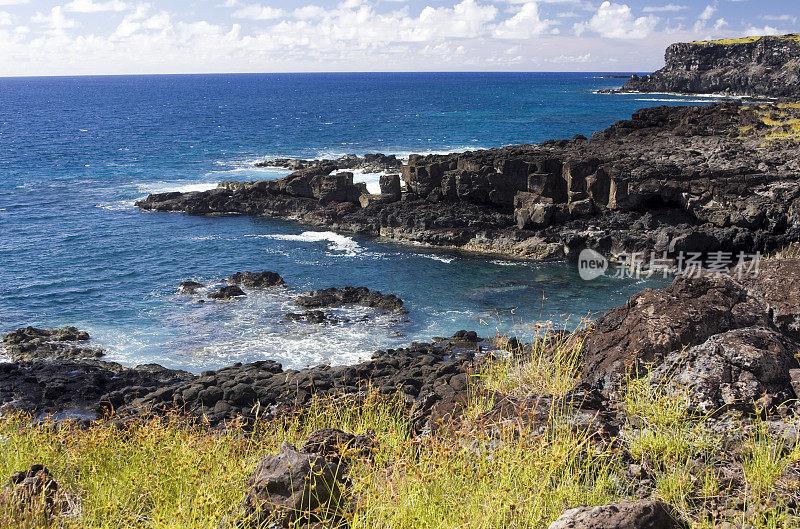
(75, 153)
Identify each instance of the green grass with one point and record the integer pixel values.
(746, 40)
(167, 473)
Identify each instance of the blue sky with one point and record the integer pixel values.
(66, 37)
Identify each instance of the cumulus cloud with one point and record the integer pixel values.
(765, 30)
(616, 21)
(258, 12)
(705, 16)
(525, 24)
(88, 6)
(54, 20)
(664, 9)
(6, 19)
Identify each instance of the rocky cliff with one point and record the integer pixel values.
(753, 66)
(671, 179)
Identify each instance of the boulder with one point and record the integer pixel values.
(656, 322)
(742, 369)
(228, 292)
(642, 514)
(293, 487)
(34, 485)
(257, 279)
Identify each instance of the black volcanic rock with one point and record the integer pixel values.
(228, 292)
(318, 317)
(190, 287)
(335, 297)
(763, 66)
(670, 179)
(257, 279)
(66, 343)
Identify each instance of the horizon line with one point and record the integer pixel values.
(332, 72)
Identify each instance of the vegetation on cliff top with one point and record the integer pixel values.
(746, 40)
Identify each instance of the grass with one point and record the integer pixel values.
(746, 40)
(167, 473)
(775, 122)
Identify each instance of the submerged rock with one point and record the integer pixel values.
(66, 343)
(318, 317)
(334, 297)
(257, 279)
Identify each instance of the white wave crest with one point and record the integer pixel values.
(336, 242)
(168, 187)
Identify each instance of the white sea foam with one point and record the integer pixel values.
(168, 187)
(121, 205)
(676, 100)
(336, 242)
(439, 258)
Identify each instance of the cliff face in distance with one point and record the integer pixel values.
(751, 66)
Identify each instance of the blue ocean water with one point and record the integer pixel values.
(75, 153)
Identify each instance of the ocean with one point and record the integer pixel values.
(76, 152)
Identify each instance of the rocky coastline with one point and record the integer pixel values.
(670, 180)
(757, 67)
(728, 343)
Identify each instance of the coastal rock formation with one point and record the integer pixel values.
(669, 180)
(369, 163)
(78, 386)
(66, 343)
(753, 66)
(257, 279)
(335, 297)
(423, 374)
(642, 514)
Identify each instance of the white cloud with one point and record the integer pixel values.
(88, 6)
(779, 18)
(6, 19)
(766, 30)
(55, 20)
(705, 16)
(14, 2)
(258, 12)
(616, 21)
(527, 23)
(664, 9)
(465, 19)
(309, 12)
